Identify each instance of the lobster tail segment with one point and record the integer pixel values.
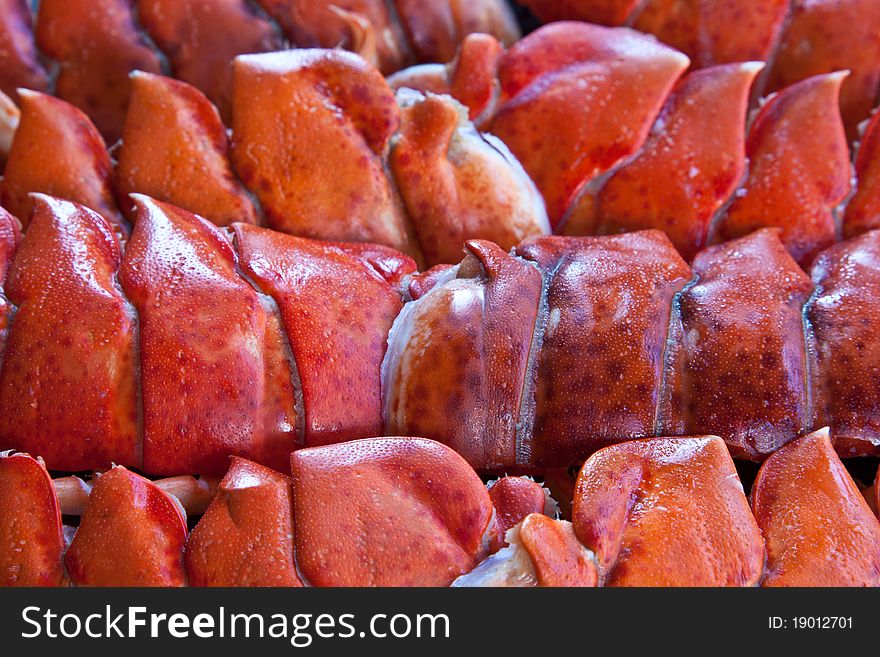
(690, 166)
(739, 357)
(464, 351)
(30, 532)
(132, 533)
(215, 373)
(600, 367)
(799, 169)
(556, 87)
(75, 327)
(351, 114)
(337, 307)
(245, 538)
(844, 317)
(437, 528)
(635, 509)
(20, 65)
(818, 527)
(96, 44)
(57, 150)
(175, 149)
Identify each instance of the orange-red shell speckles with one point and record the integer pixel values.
(629, 342)
(667, 512)
(462, 352)
(738, 353)
(245, 538)
(175, 149)
(692, 162)
(601, 361)
(310, 128)
(31, 541)
(845, 318)
(67, 384)
(96, 44)
(716, 31)
(56, 150)
(131, 534)
(216, 380)
(20, 64)
(337, 309)
(818, 527)
(201, 38)
(387, 512)
(823, 36)
(799, 169)
(552, 83)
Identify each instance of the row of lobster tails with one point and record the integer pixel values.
(194, 343)
(500, 145)
(408, 171)
(796, 38)
(85, 49)
(185, 350)
(539, 357)
(411, 512)
(671, 153)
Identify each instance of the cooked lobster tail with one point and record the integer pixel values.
(623, 340)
